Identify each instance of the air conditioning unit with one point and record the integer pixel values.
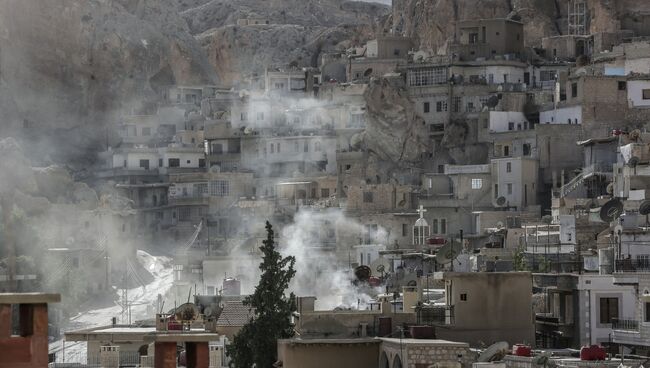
(500, 202)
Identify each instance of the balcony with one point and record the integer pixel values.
(550, 319)
(633, 266)
(630, 325)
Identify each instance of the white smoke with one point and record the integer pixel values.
(323, 243)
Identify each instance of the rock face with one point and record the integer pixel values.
(236, 51)
(394, 131)
(70, 68)
(431, 23)
(205, 15)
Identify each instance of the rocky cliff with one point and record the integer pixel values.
(70, 68)
(202, 16)
(236, 51)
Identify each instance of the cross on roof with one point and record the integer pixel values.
(421, 211)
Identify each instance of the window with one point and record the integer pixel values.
(317, 146)
(174, 162)
(622, 85)
(646, 307)
(646, 94)
(508, 167)
(608, 310)
(160, 162)
(463, 297)
(547, 75)
(428, 76)
(455, 105)
(124, 163)
(201, 162)
(306, 147)
(574, 90)
(441, 169)
(470, 107)
(441, 106)
(244, 116)
(405, 229)
(443, 226)
(496, 190)
(506, 151)
(511, 126)
(296, 147)
(509, 186)
(396, 52)
(146, 131)
(184, 213)
(200, 189)
(324, 192)
(220, 188)
(144, 164)
(477, 183)
(526, 149)
(434, 226)
(272, 148)
(426, 107)
(278, 147)
(368, 197)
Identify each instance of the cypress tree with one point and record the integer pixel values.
(256, 343)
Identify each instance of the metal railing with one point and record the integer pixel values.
(625, 324)
(435, 315)
(633, 265)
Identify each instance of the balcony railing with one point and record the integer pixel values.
(625, 325)
(435, 315)
(633, 265)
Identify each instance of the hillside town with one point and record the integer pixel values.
(483, 206)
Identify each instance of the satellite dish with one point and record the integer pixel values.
(633, 161)
(448, 252)
(644, 208)
(499, 225)
(501, 201)
(610, 188)
(493, 101)
(611, 210)
(494, 352)
(635, 135)
(412, 283)
(368, 72)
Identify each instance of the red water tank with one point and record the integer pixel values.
(374, 281)
(521, 350)
(436, 241)
(593, 352)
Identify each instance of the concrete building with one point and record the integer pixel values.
(380, 56)
(322, 353)
(487, 39)
(515, 182)
(581, 310)
(475, 310)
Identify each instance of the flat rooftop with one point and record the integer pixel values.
(29, 298)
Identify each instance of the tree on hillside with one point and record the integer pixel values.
(255, 344)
